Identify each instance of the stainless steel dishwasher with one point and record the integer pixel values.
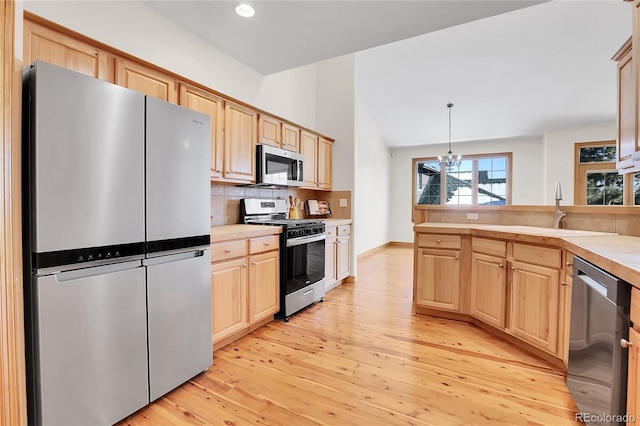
(597, 375)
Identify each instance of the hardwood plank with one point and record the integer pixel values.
(361, 357)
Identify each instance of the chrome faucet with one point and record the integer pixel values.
(558, 215)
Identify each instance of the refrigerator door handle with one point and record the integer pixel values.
(96, 271)
(174, 257)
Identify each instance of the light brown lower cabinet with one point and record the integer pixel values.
(437, 281)
(489, 289)
(534, 304)
(633, 383)
(245, 286)
(337, 255)
(511, 286)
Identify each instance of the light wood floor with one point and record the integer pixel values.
(361, 358)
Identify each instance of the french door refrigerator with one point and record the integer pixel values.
(116, 233)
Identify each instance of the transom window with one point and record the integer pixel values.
(598, 182)
(478, 180)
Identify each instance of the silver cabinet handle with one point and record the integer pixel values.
(227, 251)
(266, 244)
(500, 265)
(625, 343)
(244, 265)
(569, 263)
(513, 268)
(438, 241)
(254, 263)
(563, 283)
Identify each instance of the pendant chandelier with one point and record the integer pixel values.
(450, 161)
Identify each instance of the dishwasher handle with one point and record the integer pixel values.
(595, 285)
(613, 288)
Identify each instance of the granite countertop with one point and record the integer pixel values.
(232, 232)
(618, 254)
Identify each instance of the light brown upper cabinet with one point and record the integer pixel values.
(324, 163)
(269, 130)
(290, 137)
(240, 138)
(627, 142)
(50, 46)
(274, 132)
(212, 105)
(145, 80)
(309, 149)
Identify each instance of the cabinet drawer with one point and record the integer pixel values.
(493, 247)
(261, 244)
(228, 250)
(439, 241)
(635, 308)
(543, 256)
(344, 230)
(331, 232)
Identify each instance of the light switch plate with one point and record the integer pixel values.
(343, 202)
(472, 216)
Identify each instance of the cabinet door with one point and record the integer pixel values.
(635, 53)
(46, 45)
(330, 263)
(240, 136)
(290, 137)
(229, 297)
(264, 286)
(207, 103)
(633, 383)
(626, 113)
(439, 285)
(145, 80)
(324, 163)
(342, 258)
(309, 149)
(488, 289)
(534, 304)
(269, 130)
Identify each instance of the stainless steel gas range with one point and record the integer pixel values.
(302, 252)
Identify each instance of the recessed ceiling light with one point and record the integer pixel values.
(245, 10)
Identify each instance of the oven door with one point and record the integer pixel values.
(304, 260)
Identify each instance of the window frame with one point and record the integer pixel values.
(582, 169)
(443, 182)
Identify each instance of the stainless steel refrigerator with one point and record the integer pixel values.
(116, 236)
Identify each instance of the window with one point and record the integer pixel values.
(598, 182)
(479, 180)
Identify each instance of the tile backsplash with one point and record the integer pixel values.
(225, 201)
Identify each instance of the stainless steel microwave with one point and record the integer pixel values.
(278, 167)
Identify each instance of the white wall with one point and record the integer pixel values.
(526, 174)
(335, 117)
(372, 208)
(558, 147)
(132, 27)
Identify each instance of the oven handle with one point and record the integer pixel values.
(298, 241)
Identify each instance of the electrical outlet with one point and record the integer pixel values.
(343, 202)
(472, 216)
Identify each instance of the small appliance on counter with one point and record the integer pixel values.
(302, 252)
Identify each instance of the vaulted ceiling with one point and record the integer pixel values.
(511, 68)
